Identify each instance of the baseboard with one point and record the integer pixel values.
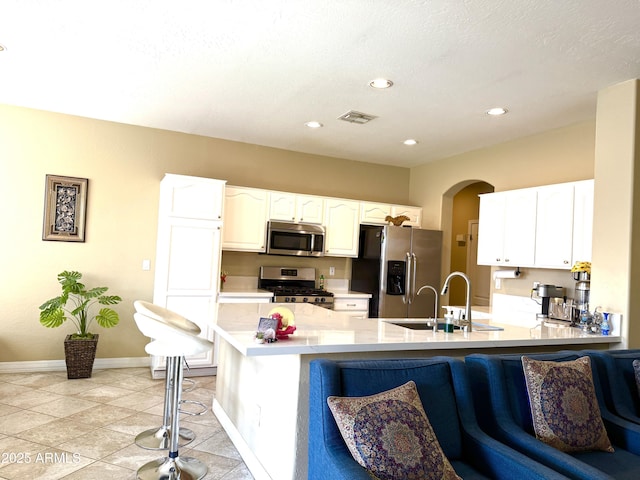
(249, 458)
(60, 366)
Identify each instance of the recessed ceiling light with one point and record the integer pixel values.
(380, 83)
(410, 141)
(313, 124)
(496, 111)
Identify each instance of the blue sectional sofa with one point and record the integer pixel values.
(615, 369)
(445, 393)
(503, 411)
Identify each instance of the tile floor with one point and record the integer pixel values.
(52, 428)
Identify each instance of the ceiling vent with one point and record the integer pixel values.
(356, 117)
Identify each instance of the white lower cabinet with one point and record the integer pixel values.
(353, 306)
(187, 273)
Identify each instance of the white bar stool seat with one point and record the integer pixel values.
(159, 438)
(173, 341)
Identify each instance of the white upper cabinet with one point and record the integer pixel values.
(291, 207)
(414, 214)
(342, 223)
(191, 197)
(245, 219)
(554, 226)
(544, 227)
(376, 213)
(506, 230)
(582, 221)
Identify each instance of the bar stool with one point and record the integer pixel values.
(173, 343)
(160, 438)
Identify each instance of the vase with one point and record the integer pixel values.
(79, 354)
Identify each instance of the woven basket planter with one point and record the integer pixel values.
(79, 354)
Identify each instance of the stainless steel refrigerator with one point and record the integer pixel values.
(392, 264)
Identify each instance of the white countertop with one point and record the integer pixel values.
(246, 292)
(325, 331)
(349, 294)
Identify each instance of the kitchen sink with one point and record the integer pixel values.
(428, 325)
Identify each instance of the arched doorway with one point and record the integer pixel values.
(463, 243)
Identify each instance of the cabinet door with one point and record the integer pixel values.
(491, 229)
(520, 228)
(554, 226)
(374, 213)
(188, 274)
(310, 209)
(342, 228)
(582, 221)
(414, 214)
(245, 219)
(191, 197)
(282, 206)
(507, 228)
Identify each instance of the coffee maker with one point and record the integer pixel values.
(582, 290)
(550, 295)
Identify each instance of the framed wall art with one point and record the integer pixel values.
(65, 208)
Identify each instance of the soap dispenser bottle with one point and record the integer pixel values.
(448, 321)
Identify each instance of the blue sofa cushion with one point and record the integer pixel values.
(636, 373)
(389, 434)
(564, 407)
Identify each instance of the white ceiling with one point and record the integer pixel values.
(255, 70)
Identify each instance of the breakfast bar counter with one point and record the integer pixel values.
(262, 390)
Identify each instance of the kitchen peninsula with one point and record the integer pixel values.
(262, 389)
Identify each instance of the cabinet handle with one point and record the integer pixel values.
(566, 262)
(506, 259)
(497, 259)
(351, 304)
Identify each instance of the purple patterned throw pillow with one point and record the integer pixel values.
(389, 434)
(636, 372)
(564, 407)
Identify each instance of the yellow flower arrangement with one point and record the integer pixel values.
(582, 267)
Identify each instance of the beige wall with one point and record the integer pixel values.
(616, 219)
(124, 165)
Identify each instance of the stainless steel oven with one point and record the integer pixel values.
(298, 239)
(294, 285)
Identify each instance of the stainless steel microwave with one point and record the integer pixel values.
(299, 239)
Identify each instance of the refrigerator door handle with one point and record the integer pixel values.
(413, 277)
(406, 298)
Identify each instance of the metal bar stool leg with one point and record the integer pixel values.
(160, 438)
(174, 467)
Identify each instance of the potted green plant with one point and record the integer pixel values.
(77, 303)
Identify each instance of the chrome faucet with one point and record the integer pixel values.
(445, 287)
(435, 292)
